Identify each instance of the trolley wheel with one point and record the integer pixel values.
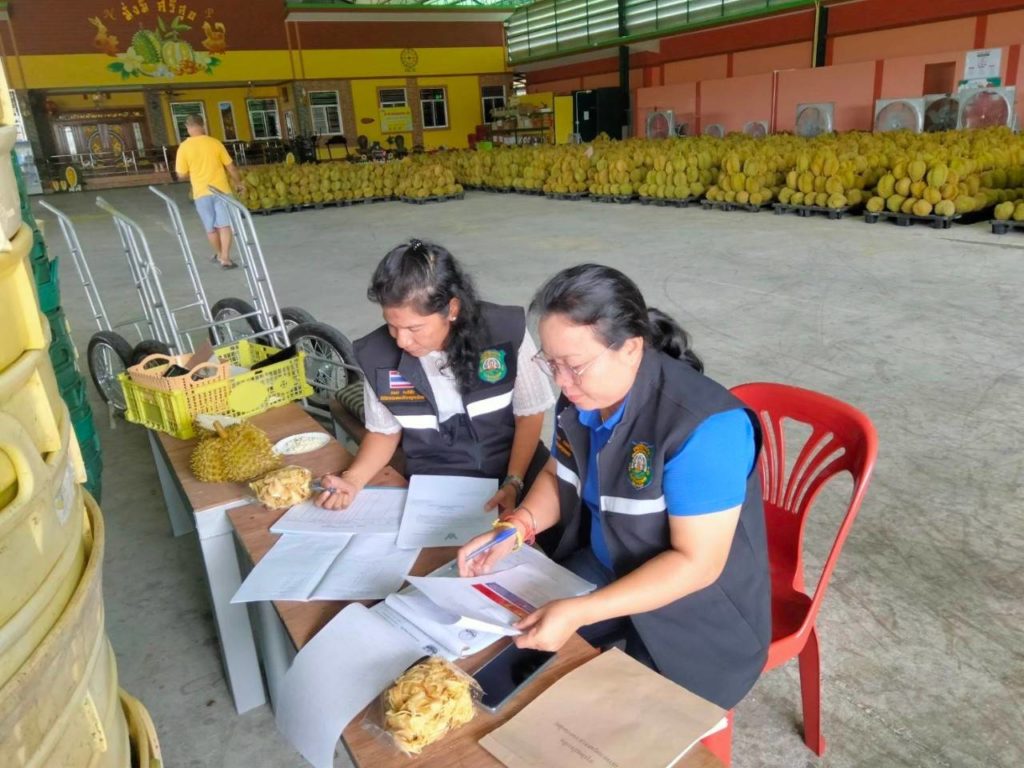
(327, 351)
(109, 355)
(243, 327)
(293, 316)
(146, 348)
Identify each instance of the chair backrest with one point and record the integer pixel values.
(842, 439)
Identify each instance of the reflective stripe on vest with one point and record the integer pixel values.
(489, 405)
(624, 506)
(566, 474)
(424, 421)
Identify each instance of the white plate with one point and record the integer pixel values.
(304, 442)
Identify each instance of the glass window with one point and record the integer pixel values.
(182, 109)
(433, 103)
(391, 97)
(325, 109)
(493, 97)
(263, 118)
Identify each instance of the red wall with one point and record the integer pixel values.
(735, 101)
(850, 86)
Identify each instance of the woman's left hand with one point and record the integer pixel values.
(550, 627)
(504, 499)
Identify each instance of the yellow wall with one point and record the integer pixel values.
(464, 111)
(366, 105)
(563, 119)
(89, 70)
(211, 97)
(78, 102)
(387, 62)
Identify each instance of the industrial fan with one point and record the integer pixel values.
(941, 112)
(899, 115)
(716, 130)
(758, 129)
(814, 119)
(661, 124)
(987, 107)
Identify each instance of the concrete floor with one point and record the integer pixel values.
(921, 628)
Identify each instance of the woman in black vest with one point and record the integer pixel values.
(652, 493)
(444, 379)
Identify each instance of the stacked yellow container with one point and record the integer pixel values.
(59, 699)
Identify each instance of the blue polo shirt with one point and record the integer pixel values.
(707, 474)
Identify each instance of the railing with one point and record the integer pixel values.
(555, 27)
(131, 162)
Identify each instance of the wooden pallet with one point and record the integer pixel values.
(433, 199)
(278, 209)
(670, 202)
(908, 219)
(566, 195)
(813, 210)
(1002, 227)
(719, 205)
(621, 199)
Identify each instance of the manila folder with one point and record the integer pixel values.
(612, 712)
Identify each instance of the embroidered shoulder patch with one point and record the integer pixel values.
(493, 367)
(639, 468)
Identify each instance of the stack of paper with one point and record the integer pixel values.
(444, 511)
(338, 567)
(374, 510)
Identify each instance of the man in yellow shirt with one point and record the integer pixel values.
(204, 160)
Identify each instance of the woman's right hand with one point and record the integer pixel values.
(343, 492)
(485, 563)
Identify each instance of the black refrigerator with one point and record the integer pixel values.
(599, 110)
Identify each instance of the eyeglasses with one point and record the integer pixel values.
(553, 369)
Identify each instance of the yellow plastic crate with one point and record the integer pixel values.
(19, 308)
(29, 393)
(246, 394)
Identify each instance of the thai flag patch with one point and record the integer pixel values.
(398, 381)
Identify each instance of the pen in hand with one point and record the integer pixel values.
(503, 535)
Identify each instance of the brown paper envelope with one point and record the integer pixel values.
(612, 712)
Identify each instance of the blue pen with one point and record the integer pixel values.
(505, 534)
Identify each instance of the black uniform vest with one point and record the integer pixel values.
(713, 642)
(475, 443)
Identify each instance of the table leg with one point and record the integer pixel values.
(275, 646)
(178, 510)
(236, 639)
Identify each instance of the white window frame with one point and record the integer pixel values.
(324, 109)
(391, 104)
(252, 124)
(179, 120)
(423, 102)
(485, 99)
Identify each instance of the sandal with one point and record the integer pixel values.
(229, 265)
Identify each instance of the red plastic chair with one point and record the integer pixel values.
(842, 440)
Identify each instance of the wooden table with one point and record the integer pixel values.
(194, 505)
(286, 626)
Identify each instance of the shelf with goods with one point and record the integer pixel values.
(521, 125)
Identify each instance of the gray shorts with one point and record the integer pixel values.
(213, 212)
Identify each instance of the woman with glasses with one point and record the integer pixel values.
(651, 493)
(449, 378)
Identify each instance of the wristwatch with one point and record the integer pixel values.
(517, 482)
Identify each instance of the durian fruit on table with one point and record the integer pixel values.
(233, 454)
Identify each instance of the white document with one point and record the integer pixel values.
(374, 510)
(348, 662)
(292, 569)
(446, 511)
(364, 567)
(369, 568)
(441, 626)
(493, 603)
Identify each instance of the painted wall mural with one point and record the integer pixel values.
(160, 38)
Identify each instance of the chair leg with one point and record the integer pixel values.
(720, 744)
(810, 692)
